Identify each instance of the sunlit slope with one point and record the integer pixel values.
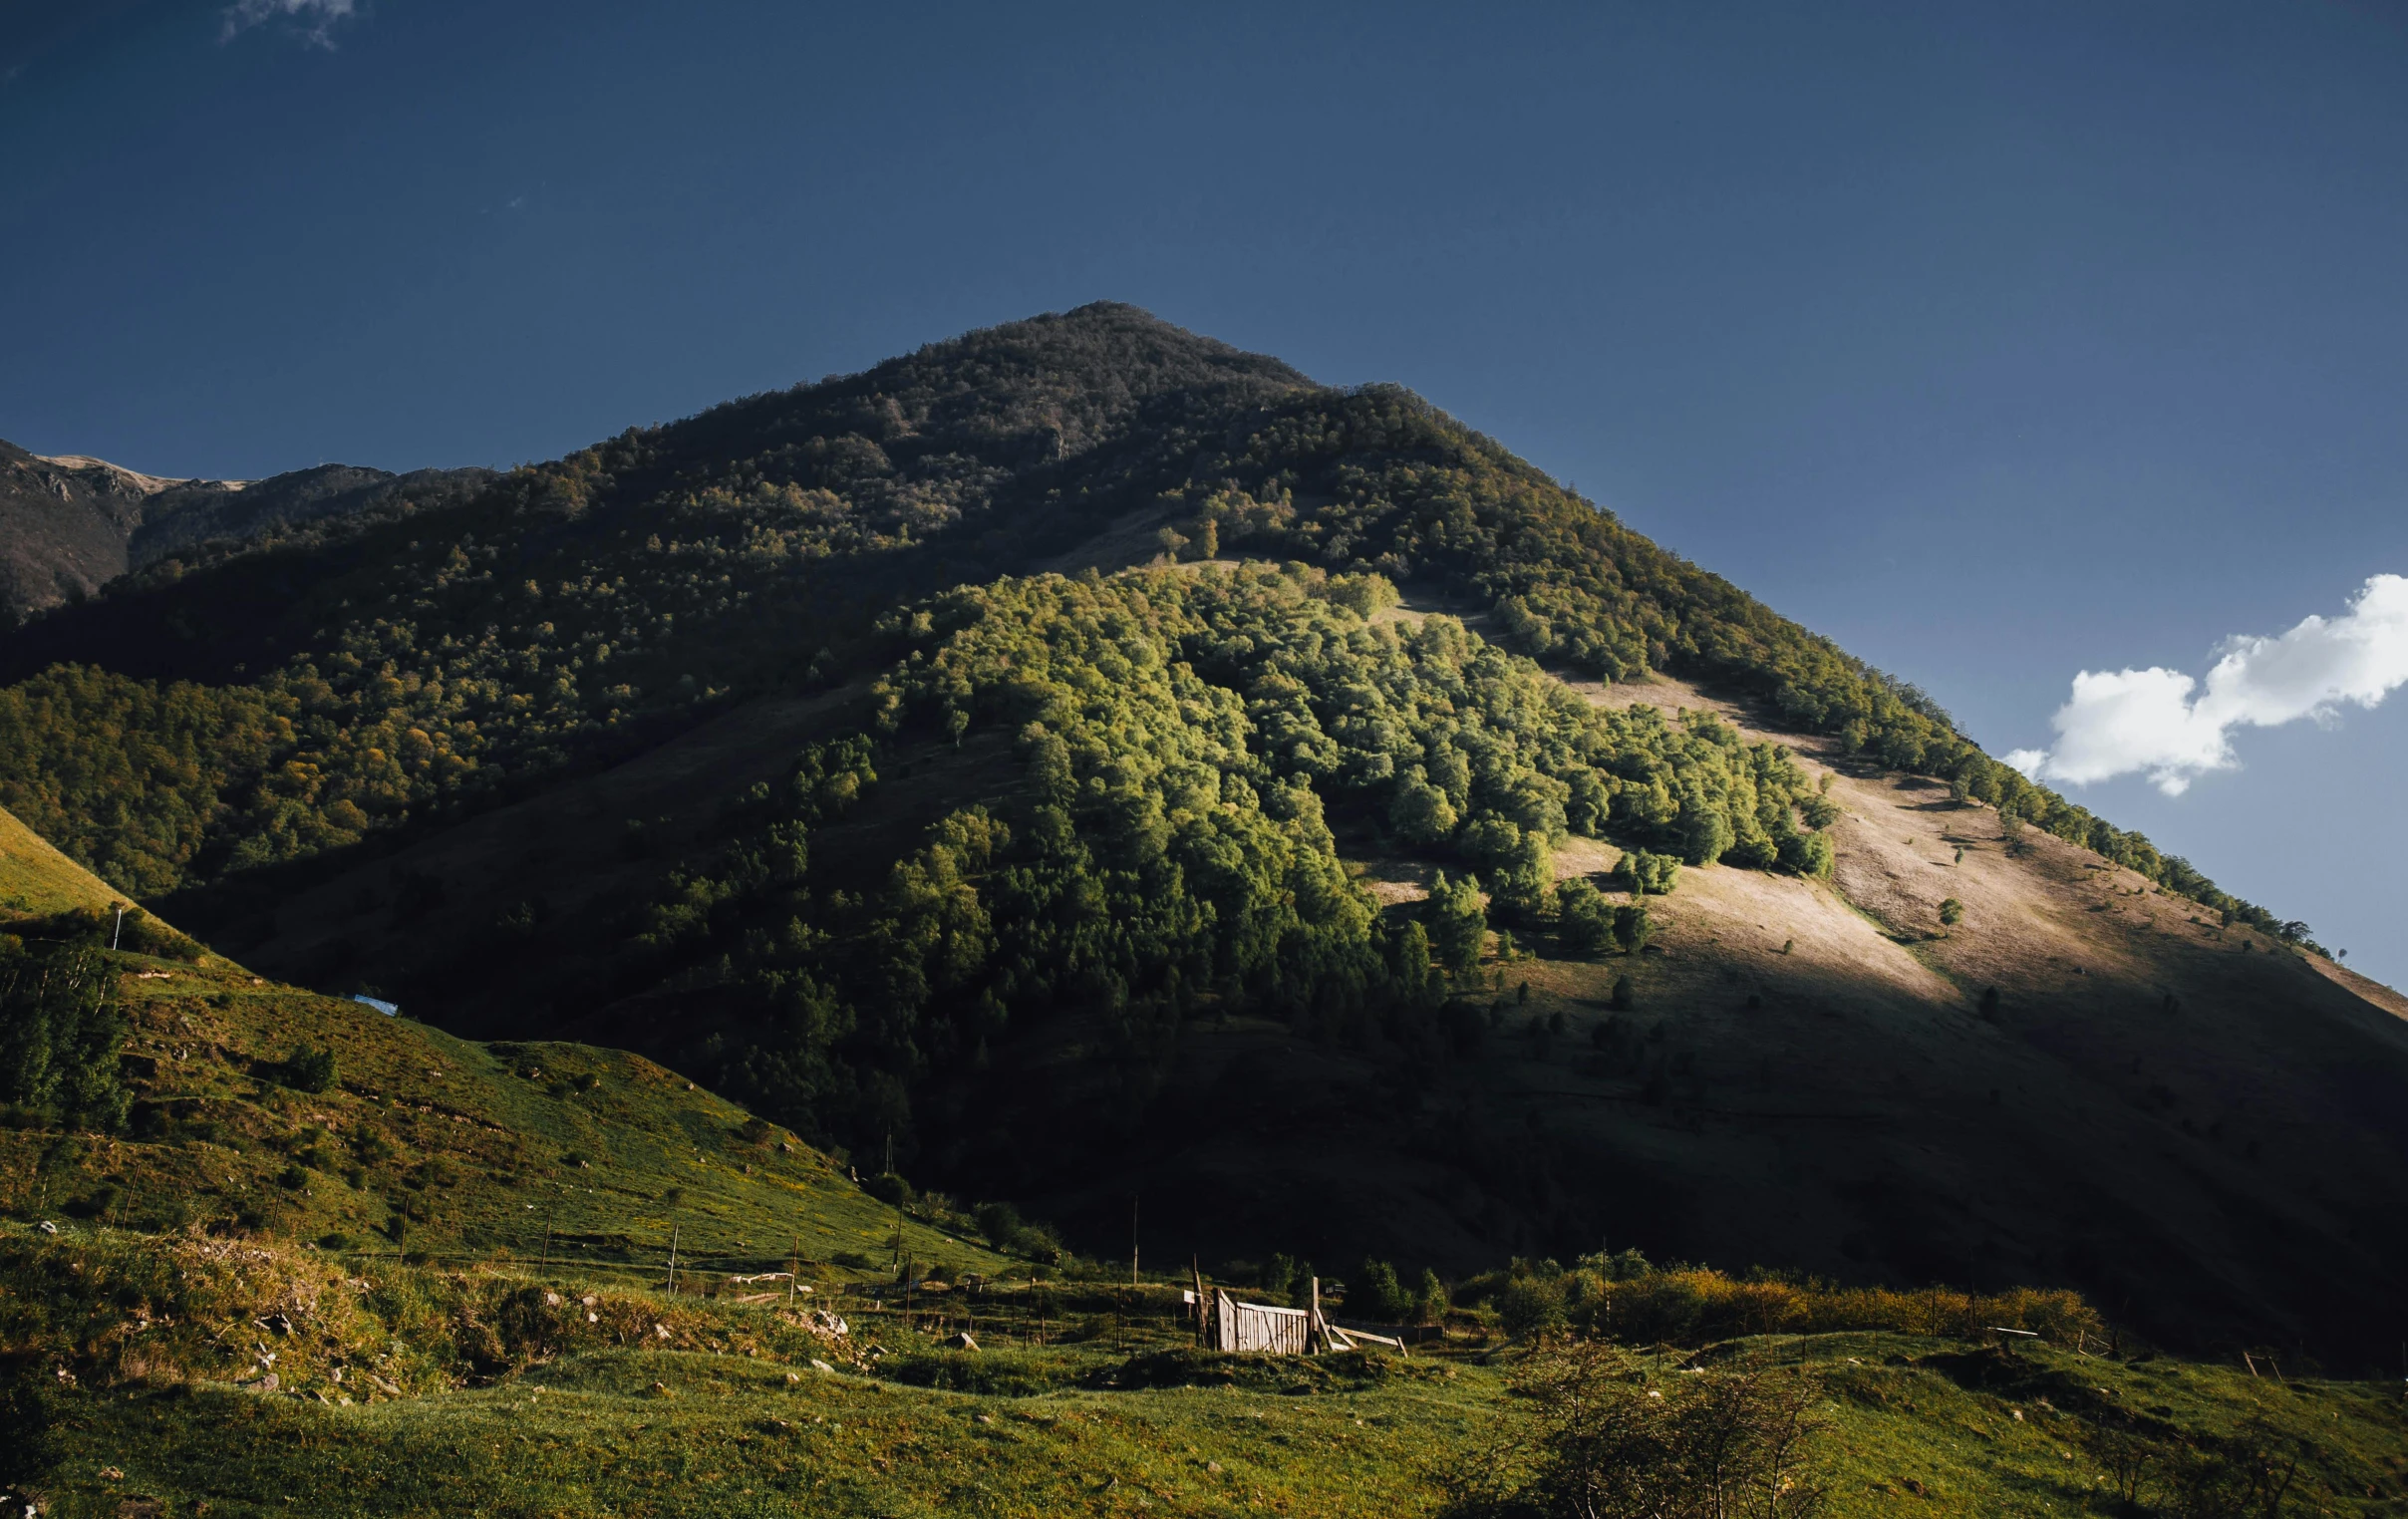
(428, 1143)
(37, 880)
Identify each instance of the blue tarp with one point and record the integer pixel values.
(385, 1008)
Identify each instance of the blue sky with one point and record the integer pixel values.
(1999, 342)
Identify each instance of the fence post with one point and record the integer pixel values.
(674, 1230)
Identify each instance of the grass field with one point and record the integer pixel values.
(740, 1410)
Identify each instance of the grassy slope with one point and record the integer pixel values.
(484, 1142)
(36, 880)
(481, 1148)
(728, 1416)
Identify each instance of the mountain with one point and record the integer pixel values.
(69, 524)
(1095, 761)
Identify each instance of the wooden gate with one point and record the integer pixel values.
(1259, 1328)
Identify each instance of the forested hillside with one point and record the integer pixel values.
(1082, 752)
(365, 674)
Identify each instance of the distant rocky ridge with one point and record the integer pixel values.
(70, 523)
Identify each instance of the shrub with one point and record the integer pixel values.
(1951, 912)
(1643, 874)
(1594, 1439)
(1001, 1223)
(307, 1070)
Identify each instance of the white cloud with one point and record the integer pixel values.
(313, 20)
(2148, 720)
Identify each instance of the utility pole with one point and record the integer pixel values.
(119, 933)
(1133, 1239)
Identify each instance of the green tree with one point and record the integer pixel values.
(1378, 1294)
(1584, 919)
(1705, 832)
(1632, 930)
(1951, 912)
(1457, 923)
(1430, 1301)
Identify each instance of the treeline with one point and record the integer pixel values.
(1184, 743)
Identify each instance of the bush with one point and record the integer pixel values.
(1001, 1223)
(1643, 874)
(1951, 912)
(307, 1070)
(1594, 1440)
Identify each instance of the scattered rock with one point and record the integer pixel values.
(820, 1365)
(660, 1390)
(112, 1475)
(47, 1227)
(551, 1300)
(1213, 1466)
(960, 1342)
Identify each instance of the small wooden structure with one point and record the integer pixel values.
(1259, 1328)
